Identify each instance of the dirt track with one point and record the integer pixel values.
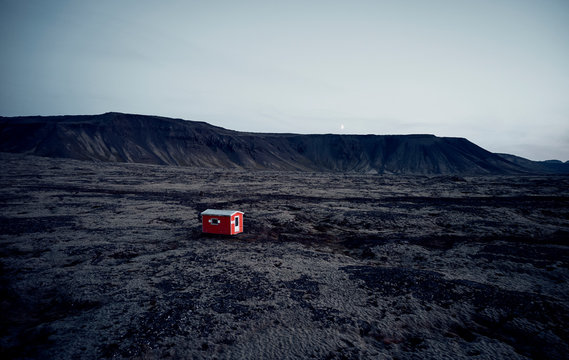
(108, 261)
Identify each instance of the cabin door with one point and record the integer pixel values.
(237, 224)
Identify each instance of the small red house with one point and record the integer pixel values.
(226, 222)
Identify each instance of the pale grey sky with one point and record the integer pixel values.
(493, 71)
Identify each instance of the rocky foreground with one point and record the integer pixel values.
(108, 261)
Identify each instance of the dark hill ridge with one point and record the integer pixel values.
(120, 137)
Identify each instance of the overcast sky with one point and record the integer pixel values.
(495, 72)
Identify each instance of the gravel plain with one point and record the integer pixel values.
(107, 260)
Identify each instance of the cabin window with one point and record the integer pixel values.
(214, 221)
(237, 221)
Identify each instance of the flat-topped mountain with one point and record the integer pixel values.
(118, 137)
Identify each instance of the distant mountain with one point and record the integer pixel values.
(547, 166)
(121, 137)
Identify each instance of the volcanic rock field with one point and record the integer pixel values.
(108, 261)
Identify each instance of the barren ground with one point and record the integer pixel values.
(108, 261)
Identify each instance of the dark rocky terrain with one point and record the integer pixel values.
(115, 137)
(107, 260)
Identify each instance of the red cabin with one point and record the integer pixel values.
(226, 222)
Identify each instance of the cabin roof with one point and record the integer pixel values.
(220, 212)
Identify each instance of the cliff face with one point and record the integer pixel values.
(157, 140)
